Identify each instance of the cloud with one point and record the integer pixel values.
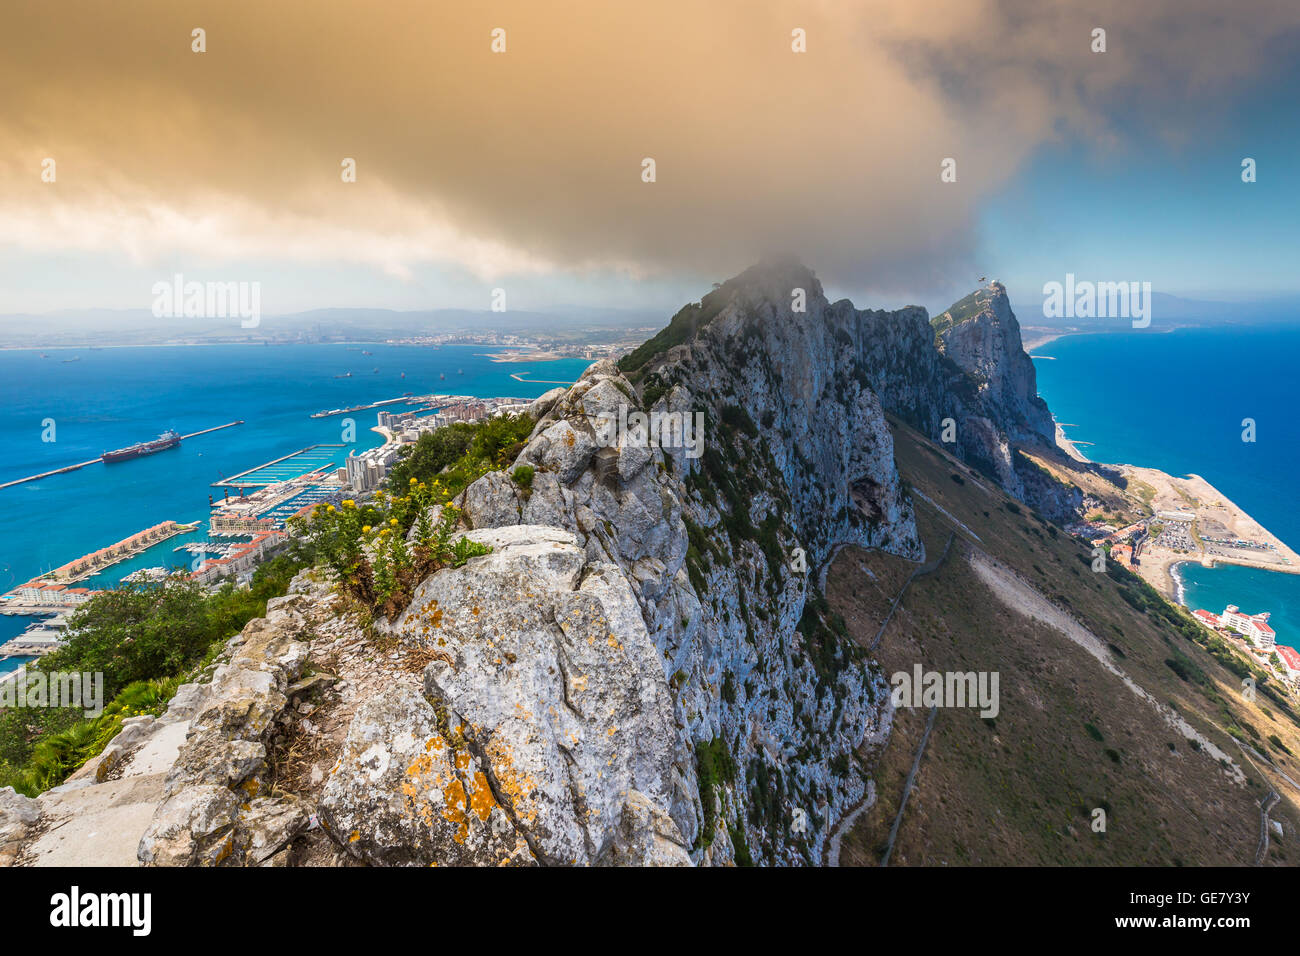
(530, 161)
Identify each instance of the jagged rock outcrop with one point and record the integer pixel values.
(987, 346)
(642, 670)
(964, 380)
(768, 703)
(545, 707)
(215, 811)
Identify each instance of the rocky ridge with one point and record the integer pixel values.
(641, 671)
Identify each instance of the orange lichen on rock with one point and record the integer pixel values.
(515, 788)
(454, 810)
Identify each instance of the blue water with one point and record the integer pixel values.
(1175, 401)
(116, 397)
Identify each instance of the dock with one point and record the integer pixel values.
(56, 471)
(96, 461)
(331, 412)
(537, 381)
(243, 479)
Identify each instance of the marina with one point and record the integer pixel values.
(292, 465)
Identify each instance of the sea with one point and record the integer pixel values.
(1177, 401)
(63, 406)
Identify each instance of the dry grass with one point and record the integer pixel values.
(1021, 788)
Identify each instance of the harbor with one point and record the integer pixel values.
(296, 463)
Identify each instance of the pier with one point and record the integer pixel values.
(537, 381)
(249, 478)
(331, 412)
(96, 461)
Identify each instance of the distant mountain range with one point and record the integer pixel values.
(1171, 310)
(109, 327)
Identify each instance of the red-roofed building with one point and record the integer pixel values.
(1290, 660)
(1208, 618)
(1253, 626)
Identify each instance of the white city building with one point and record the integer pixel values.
(1254, 626)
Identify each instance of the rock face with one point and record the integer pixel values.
(695, 587)
(214, 813)
(642, 670)
(965, 381)
(988, 348)
(550, 707)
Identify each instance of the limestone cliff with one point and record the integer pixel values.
(986, 345)
(643, 669)
(768, 701)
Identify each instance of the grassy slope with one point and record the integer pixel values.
(960, 311)
(1020, 789)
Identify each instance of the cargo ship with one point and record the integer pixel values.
(168, 439)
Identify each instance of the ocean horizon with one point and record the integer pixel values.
(1176, 401)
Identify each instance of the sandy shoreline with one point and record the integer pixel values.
(1068, 446)
(533, 356)
(1214, 512)
(1032, 337)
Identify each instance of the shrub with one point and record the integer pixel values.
(367, 549)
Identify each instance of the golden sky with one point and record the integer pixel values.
(529, 161)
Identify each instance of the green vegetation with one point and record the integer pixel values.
(959, 311)
(144, 639)
(714, 767)
(367, 546)
(55, 756)
(681, 328)
(461, 453)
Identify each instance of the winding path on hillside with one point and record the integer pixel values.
(907, 787)
(928, 568)
(848, 820)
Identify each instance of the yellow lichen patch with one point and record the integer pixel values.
(223, 854)
(454, 810)
(250, 787)
(420, 765)
(481, 800)
(611, 732)
(433, 613)
(354, 836)
(579, 683)
(514, 787)
(613, 642)
(475, 610)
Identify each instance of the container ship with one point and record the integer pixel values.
(168, 439)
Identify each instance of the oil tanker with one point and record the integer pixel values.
(168, 439)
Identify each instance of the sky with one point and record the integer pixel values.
(523, 168)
